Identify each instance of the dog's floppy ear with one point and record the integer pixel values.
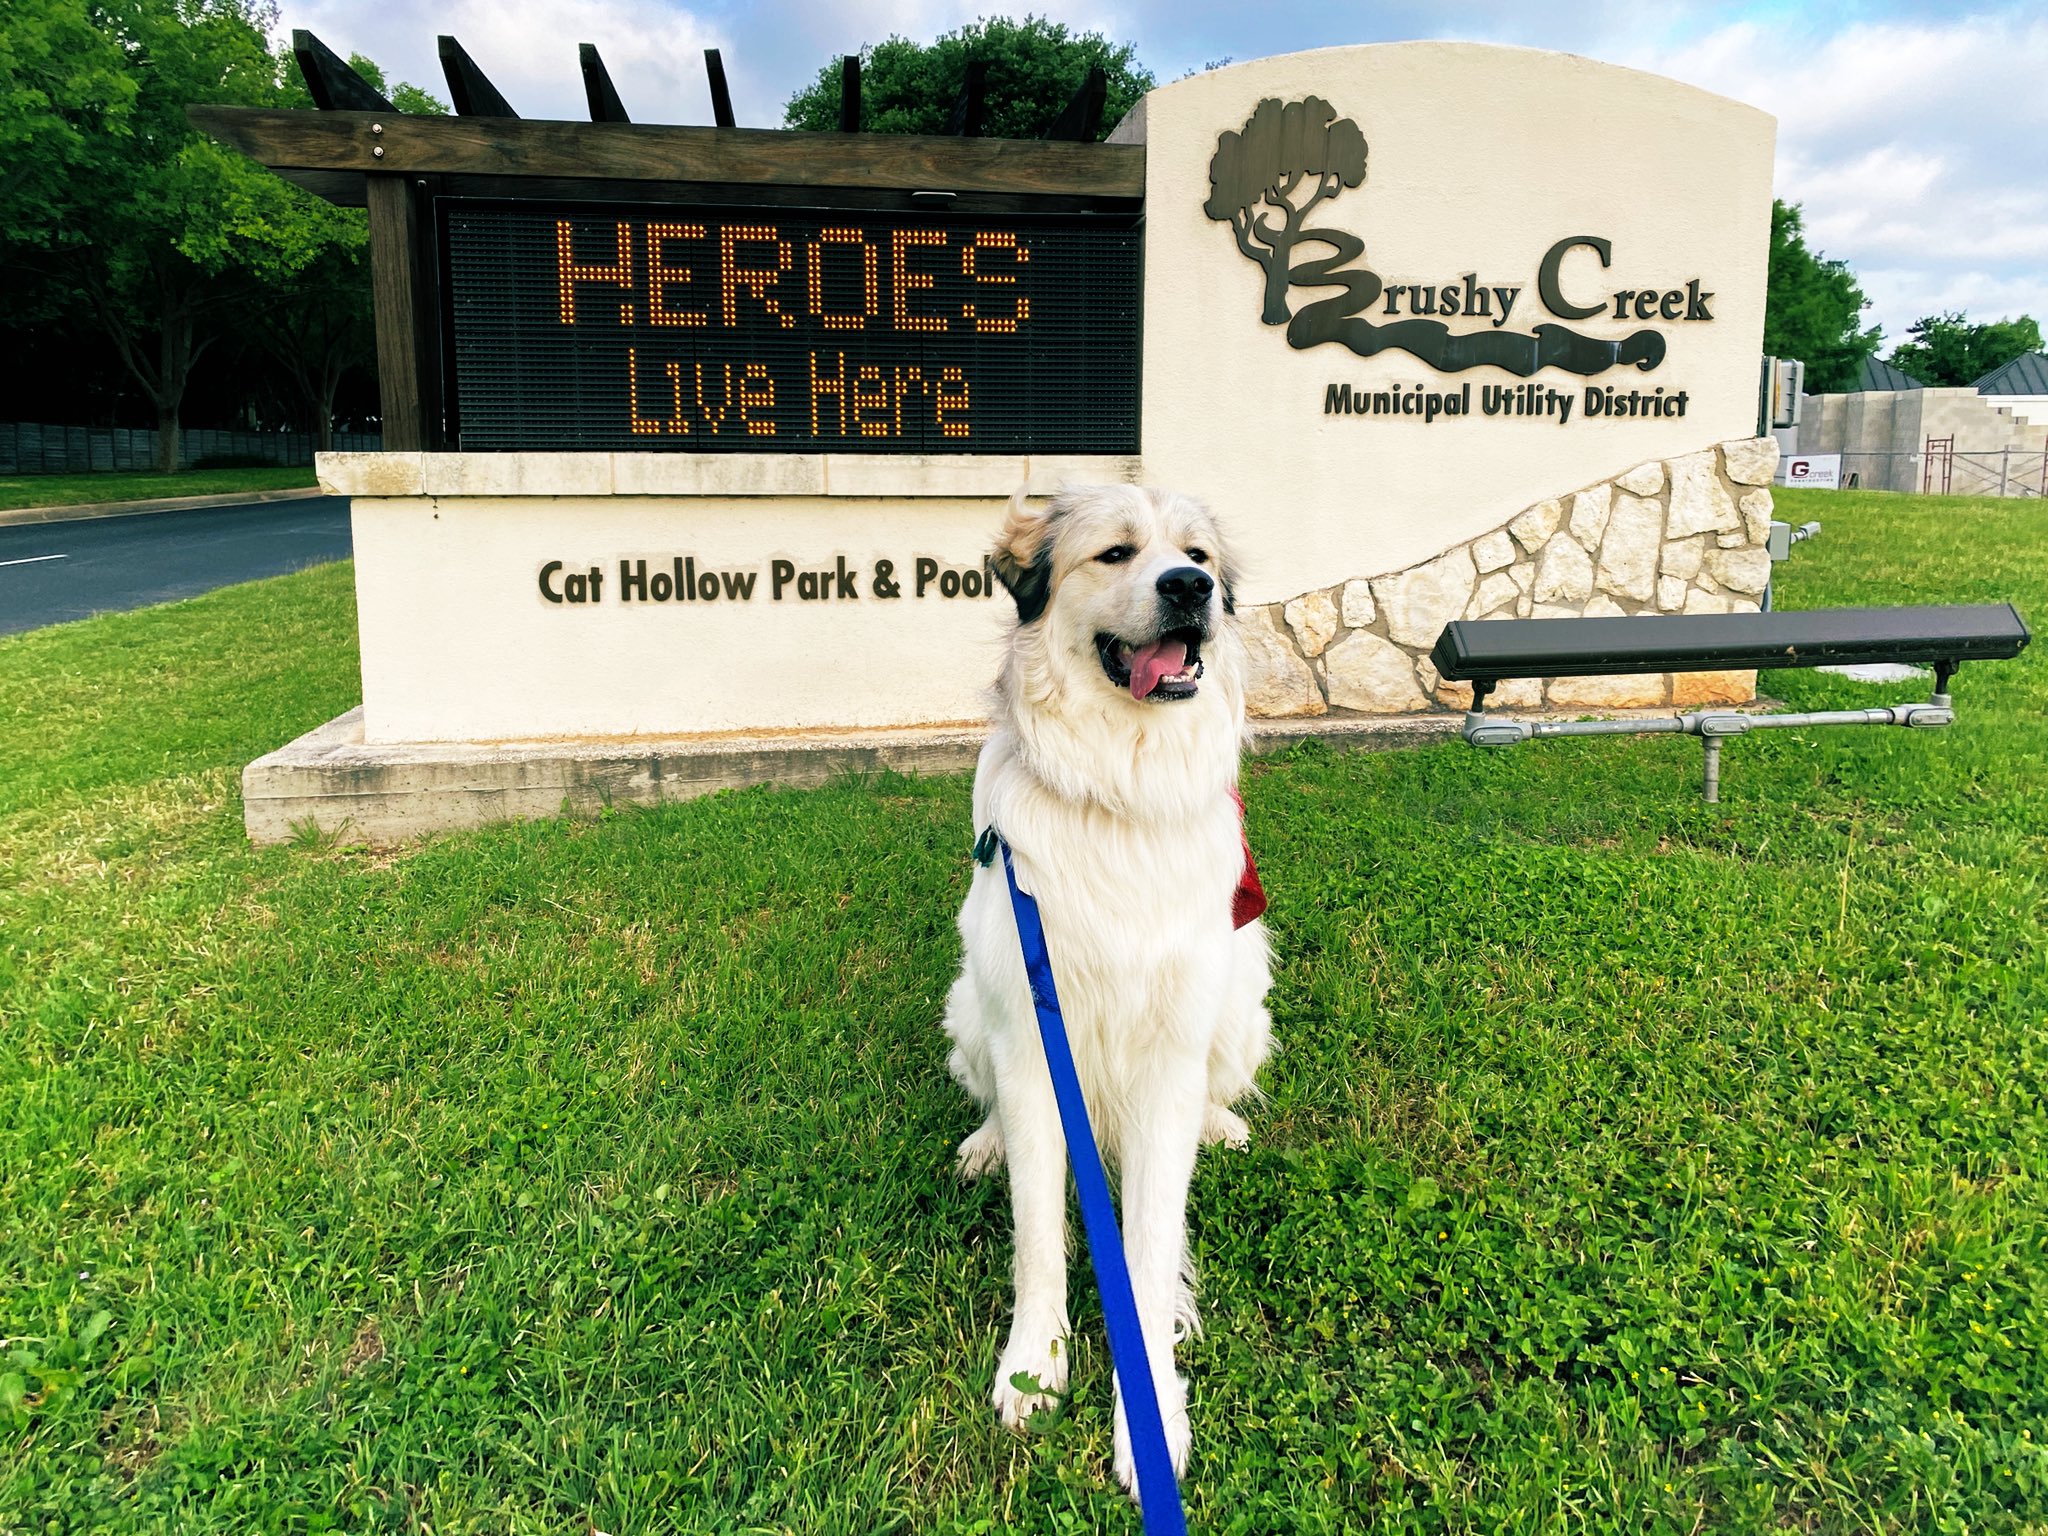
(1023, 557)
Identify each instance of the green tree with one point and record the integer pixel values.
(130, 221)
(149, 221)
(1946, 350)
(1034, 68)
(63, 90)
(1813, 308)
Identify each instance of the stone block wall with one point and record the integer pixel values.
(1882, 436)
(1684, 535)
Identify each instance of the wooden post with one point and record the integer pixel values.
(394, 284)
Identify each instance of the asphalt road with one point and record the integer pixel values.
(51, 572)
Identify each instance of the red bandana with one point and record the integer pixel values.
(1249, 900)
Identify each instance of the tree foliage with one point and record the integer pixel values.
(1813, 308)
(1947, 350)
(1034, 68)
(120, 222)
(63, 91)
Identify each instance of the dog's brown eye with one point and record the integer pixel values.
(1199, 556)
(1116, 554)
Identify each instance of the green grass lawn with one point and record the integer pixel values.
(1631, 1165)
(81, 490)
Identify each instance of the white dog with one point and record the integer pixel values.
(1111, 771)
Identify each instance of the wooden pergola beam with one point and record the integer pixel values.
(721, 97)
(1081, 119)
(970, 110)
(849, 94)
(598, 90)
(329, 142)
(334, 84)
(469, 87)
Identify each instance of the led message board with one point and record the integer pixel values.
(703, 329)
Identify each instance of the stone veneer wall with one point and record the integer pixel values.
(1684, 535)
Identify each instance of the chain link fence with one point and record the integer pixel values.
(1945, 470)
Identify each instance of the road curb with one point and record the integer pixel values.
(19, 515)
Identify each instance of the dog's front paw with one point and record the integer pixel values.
(1031, 1375)
(1220, 1124)
(983, 1150)
(1180, 1434)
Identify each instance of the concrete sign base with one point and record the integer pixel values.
(358, 792)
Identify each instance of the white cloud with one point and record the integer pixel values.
(1980, 294)
(1918, 150)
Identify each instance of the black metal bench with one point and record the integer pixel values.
(1489, 651)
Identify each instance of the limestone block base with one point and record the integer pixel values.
(1683, 535)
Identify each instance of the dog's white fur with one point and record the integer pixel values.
(1120, 816)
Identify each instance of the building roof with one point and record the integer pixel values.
(1877, 374)
(2026, 374)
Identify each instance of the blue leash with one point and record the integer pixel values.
(1158, 1491)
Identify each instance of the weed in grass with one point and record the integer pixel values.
(308, 836)
(1630, 1164)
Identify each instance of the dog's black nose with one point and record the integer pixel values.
(1186, 584)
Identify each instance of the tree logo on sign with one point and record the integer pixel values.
(1292, 157)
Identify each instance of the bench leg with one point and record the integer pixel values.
(1711, 783)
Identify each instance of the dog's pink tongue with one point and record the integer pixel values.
(1149, 663)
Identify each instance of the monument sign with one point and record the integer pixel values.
(696, 432)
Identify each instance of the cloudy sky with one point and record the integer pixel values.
(1915, 135)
